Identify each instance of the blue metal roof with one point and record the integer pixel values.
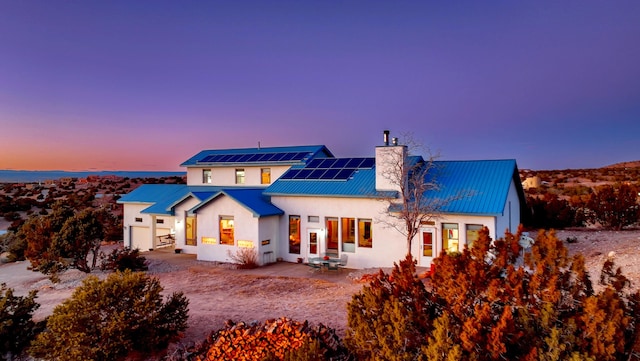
(252, 199)
(151, 193)
(312, 150)
(479, 187)
(164, 197)
(465, 187)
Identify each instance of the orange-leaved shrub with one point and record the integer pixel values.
(496, 301)
(280, 339)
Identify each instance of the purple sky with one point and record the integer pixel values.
(144, 85)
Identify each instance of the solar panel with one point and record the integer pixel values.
(368, 163)
(328, 163)
(340, 163)
(330, 174)
(344, 174)
(303, 174)
(316, 174)
(290, 174)
(300, 155)
(253, 157)
(354, 163)
(244, 157)
(330, 169)
(314, 163)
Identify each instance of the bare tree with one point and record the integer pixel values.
(415, 180)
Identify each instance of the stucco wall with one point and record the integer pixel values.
(130, 212)
(389, 245)
(226, 176)
(180, 212)
(245, 228)
(510, 219)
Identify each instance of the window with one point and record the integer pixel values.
(226, 231)
(450, 237)
(190, 231)
(159, 221)
(265, 175)
(294, 234)
(206, 176)
(332, 235)
(473, 231)
(240, 176)
(365, 238)
(313, 219)
(138, 219)
(348, 234)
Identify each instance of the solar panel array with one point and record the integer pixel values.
(255, 157)
(330, 169)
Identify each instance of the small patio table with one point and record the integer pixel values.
(329, 264)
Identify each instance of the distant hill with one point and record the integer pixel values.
(28, 176)
(633, 164)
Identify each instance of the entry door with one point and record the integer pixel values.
(427, 246)
(313, 237)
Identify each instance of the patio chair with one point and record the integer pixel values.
(314, 265)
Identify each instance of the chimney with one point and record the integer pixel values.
(389, 161)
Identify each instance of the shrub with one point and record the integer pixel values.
(280, 339)
(108, 320)
(389, 318)
(16, 325)
(244, 258)
(615, 206)
(123, 259)
(491, 303)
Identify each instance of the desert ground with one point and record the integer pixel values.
(218, 292)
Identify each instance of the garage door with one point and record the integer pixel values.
(141, 238)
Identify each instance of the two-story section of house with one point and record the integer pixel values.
(299, 202)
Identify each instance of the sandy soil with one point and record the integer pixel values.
(218, 293)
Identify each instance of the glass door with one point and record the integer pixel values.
(314, 242)
(427, 246)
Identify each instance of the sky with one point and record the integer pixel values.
(145, 85)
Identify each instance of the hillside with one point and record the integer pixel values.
(633, 164)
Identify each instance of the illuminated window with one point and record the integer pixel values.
(265, 175)
(450, 237)
(473, 231)
(332, 235)
(365, 237)
(240, 176)
(190, 231)
(226, 231)
(294, 234)
(206, 176)
(348, 234)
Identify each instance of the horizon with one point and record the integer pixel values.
(145, 85)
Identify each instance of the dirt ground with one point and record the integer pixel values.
(217, 293)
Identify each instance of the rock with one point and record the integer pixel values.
(4, 258)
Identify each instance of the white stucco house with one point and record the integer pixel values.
(298, 202)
